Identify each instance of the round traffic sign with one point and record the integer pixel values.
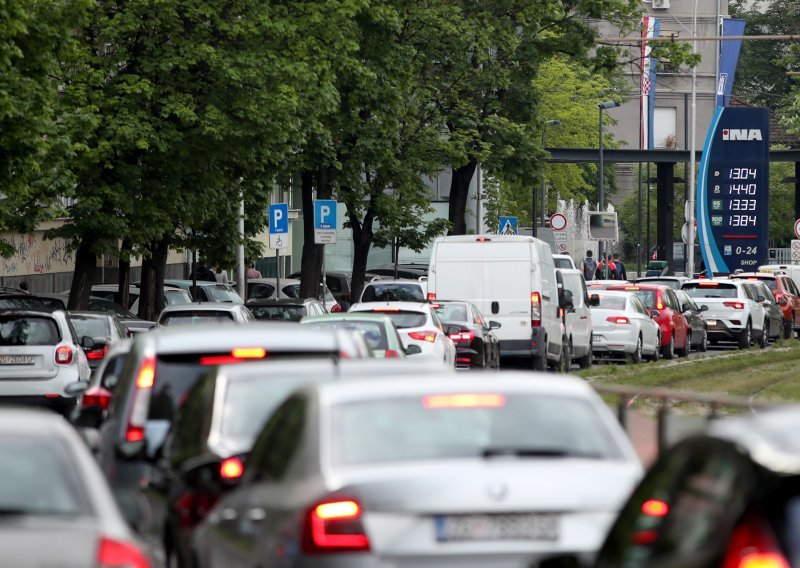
(562, 248)
(797, 228)
(558, 222)
(795, 245)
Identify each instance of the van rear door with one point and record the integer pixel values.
(507, 288)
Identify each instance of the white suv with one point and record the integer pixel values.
(734, 311)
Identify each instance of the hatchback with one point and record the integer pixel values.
(199, 313)
(285, 309)
(264, 288)
(394, 291)
(622, 326)
(734, 313)
(378, 330)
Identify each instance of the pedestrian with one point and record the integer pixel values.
(252, 272)
(589, 266)
(222, 275)
(620, 270)
(203, 272)
(606, 269)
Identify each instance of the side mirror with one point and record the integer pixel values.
(565, 299)
(654, 314)
(87, 342)
(704, 308)
(594, 300)
(413, 350)
(76, 389)
(495, 325)
(686, 308)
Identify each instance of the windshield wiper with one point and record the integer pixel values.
(535, 453)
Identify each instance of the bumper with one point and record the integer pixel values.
(614, 341)
(476, 559)
(468, 357)
(722, 329)
(532, 347)
(34, 387)
(60, 404)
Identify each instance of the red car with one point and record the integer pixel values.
(675, 330)
(786, 294)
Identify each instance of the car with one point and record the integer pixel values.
(622, 326)
(172, 294)
(563, 261)
(774, 322)
(285, 309)
(26, 301)
(674, 282)
(427, 472)
(725, 497)
(232, 402)
(161, 367)
(417, 324)
(790, 270)
(204, 312)
(57, 508)
(42, 359)
(264, 288)
(576, 315)
(676, 335)
(204, 291)
(401, 290)
(378, 330)
(605, 284)
(96, 400)
(404, 270)
(786, 294)
(476, 344)
(103, 328)
(696, 320)
(339, 284)
(129, 320)
(733, 314)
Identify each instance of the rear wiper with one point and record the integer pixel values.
(8, 512)
(534, 453)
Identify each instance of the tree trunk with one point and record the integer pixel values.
(160, 269)
(459, 193)
(311, 263)
(123, 293)
(147, 300)
(362, 240)
(82, 277)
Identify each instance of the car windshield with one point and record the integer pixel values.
(223, 293)
(563, 263)
(100, 305)
(402, 320)
(28, 330)
(374, 333)
(192, 317)
(711, 290)
(176, 296)
(93, 327)
(279, 312)
(452, 312)
(612, 302)
(674, 284)
(392, 292)
(175, 375)
(39, 478)
(30, 303)
(260, 290)
(451, 426)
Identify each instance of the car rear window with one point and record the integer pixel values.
(648, 297)
(452, 426)
(715, 290)
(402, 320)
(222, 293)
(293, 291)
(93, 327)
(260, 290)
(28, 330)
(452, 312)
(563, 263)
(611, 302)
(281, 313)
(176, 297)
(373, 332)
(30, 303)
(771, 283)
(39, 478)
(192, 317)
(392, 292)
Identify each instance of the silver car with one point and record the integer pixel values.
(204, 313)
(431, 472)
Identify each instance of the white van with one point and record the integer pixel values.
(578, 318)
(512, 280)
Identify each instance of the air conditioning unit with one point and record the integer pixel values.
(660, 4)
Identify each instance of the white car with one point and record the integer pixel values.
(417, 324)
(204, 312)
(264, 288)
(400, 290)
(563, 261)
(622, 326)
(734, 312)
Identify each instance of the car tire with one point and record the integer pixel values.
(787, 328)
(564, 365)
(764, 340)
(703, 346)
(687, 347)
(657, 353)
(668, 350)
(745, 337)
(637, 354)
(539, 363)
(586, 361)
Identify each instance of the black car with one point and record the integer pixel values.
(728, 498)
(694, 317)
(476, 345)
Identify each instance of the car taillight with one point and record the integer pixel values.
(659, 304)
(96, 354)
(116, 554)
(431, 296)
(237, 355)
(64, 355)
(427, 335)
(536, 309)
(753, 545)
(145, 378)
(655, 508)
(231, 468)
(336, 309)
(734, 305)
(618, 319)
(96, 396)
(463, 336)
(334, 527)
(391, 354)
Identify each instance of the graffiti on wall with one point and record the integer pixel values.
(35, 255)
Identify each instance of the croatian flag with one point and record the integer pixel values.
(650, 28)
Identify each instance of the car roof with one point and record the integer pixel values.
(377, 306)
(90, 315)
(761, 275)
(279, 301)
(659, 287)
(734, 281)
(191, 282)
(670, 278)
(284, 281)
(341, 316)
(571, 270)
(202, 307)
(386, 281)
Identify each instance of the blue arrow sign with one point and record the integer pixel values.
(278, 219)
(508, 226)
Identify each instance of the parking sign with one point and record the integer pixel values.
(325, 221)
(278, 225)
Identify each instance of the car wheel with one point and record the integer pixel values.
(586, 361)
(687, 348)
(787, 328)
(764, 341)
(703, 347)
(745, 337)
(637, 354)
(668, 350)
(657, 352)
(566, 356)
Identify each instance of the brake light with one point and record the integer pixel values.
(114, 553)
(391, 354)
(659, 303)
(431, 296)
(481, 400)
(536, 309)
(336, 309)
(147, 373)
(535, 298)
(752, 279)
(734, 305)
(752, 545)
(237, 355)
(618, 319)
(96, 396)
(386, 310)
(134, 431)
(427, 335)
(95, 354)
(561, 313)
(334, 527)
(483, 240)
(463, 336)
(708, 283)
(655, 508)
(64, 355)
(631, 288)
(231, 468)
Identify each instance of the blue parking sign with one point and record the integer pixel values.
(325, 221)
(278, 218)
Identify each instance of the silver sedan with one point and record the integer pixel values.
(437, 472)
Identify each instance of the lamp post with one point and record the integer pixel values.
(533, 211)
(692, 149)
(600, 196)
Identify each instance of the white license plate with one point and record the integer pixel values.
(711, 322)
(17, 359)
(518, 526)
(597, 337)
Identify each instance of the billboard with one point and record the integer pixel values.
(733, 191)
(602, 226)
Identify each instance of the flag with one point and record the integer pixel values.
(650, 28)
(728, 59)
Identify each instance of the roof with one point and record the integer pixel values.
(390, 306)
(489, 238)
(343, 316)
(202, 307)
(260, 302)
(32, 421)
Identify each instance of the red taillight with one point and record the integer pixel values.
(145, 378)
(231, 468)
(463, 336)
(237, 355)
(734, 305)
(709, 283)
(391, 354)
(535, 298)
(336, 309)
(618, 319)
(116, 554)
(631, 288)
(659, 303)
(479, 400)
(483, 240)
(431, 296)
(334, 527)
(96, 354)
(387, 310)
(536, 309)
(655, 508)
(753, 545)
(96, 396)
(428, 335)
(64, 355)
(147, 373)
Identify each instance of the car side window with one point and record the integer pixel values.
(748, 292)
(789, 284)
(334, 285)
(672, 301)
(435, 319)
(637, 305)
(279, 441)
(477, 316)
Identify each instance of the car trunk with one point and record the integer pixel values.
(37, 540)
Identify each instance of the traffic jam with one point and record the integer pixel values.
(290, 431)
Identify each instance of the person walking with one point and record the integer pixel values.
(620, 269)
(203, 272)
(589, 266)
(252, 272)
(221, 274)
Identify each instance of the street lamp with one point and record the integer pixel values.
(692, 149)
(600, 198)
(533, 212)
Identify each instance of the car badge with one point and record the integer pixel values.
(497, 490)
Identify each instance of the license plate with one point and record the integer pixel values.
(17, 359)
(597, 337)
(522, 526)
(711, 322)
